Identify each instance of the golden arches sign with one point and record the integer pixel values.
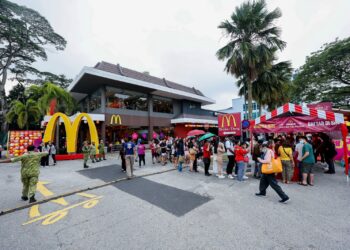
(228, 120)
(116, 119)
(72, 130)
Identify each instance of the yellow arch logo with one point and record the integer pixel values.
(72, 130)
(116, 119)
(228, 120)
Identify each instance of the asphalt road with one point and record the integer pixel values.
(186, 211)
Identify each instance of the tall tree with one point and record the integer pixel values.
(253, 39)
(325, 76)
(271, 88)
(23, 113)
(17, 93)
(50, 96)
(24, 35)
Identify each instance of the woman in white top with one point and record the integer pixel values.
(269, 179)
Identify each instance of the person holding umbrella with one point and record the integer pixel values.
(206, 152)
(206, 157)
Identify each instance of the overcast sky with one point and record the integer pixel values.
(177, 39)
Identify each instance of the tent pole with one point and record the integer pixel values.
(345, 133)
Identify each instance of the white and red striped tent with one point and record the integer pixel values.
(303, 110)
(298, 109)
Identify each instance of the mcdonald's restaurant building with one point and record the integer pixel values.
(126, 101)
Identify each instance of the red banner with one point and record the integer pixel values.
(229, 124)
(326, 106)
(296, 124)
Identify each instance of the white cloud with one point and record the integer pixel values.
(177, 39)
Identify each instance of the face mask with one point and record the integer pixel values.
(264, 150)
(302, 141)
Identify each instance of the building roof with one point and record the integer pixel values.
(144, 76)
(91, 79)
(189, 118)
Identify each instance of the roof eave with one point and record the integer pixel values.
(180, 94)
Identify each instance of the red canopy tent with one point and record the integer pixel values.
(296, 118)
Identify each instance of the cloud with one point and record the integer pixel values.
(177, 39)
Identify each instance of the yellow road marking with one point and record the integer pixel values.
(46, 192)
(42, 189)
(87, 195)
(34, 211)
(60, 201)
(59, 214)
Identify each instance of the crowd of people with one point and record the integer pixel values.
(294, 151)
(301, 152)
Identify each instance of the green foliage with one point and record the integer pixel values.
(24, 37)
(17, 93)
(325, 76)
(26, 112)
(23, 113)
(43, 77)
(272, 87)
(46, 93)
(253, 41)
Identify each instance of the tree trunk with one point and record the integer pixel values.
(260, 109)
(3, 103)
(250, 99)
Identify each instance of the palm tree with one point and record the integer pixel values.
(253, 39)
(271, 87)
(51, 96)
(24, 112)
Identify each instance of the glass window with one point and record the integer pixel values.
(194, 105)
(162, 105)
(95, 101)
(125, 99)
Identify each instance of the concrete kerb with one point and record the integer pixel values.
(8, 211)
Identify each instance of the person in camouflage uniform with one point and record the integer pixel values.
(101, 150)
(86, 153)
(93, 152)
(30, 170)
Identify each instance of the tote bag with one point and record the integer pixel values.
(272, 168)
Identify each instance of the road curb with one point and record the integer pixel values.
(4, 212)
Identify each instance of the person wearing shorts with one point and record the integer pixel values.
(163, 152)
(308, 160)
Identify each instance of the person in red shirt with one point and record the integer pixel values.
(206, 157)
(240, 155)
(153, 150)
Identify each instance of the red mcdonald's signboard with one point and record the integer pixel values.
(229, 124)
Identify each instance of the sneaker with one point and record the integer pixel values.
(245, 178)
(221, 176)
(24, 198)
(260, 194)
(284, 200)
(230, 176)
(32, 199)
(234, 175)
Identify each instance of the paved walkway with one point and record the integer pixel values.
(67, 176)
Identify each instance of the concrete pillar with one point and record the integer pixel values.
(103, 99)
(57, 134)
(150, 111)
(103, 110)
